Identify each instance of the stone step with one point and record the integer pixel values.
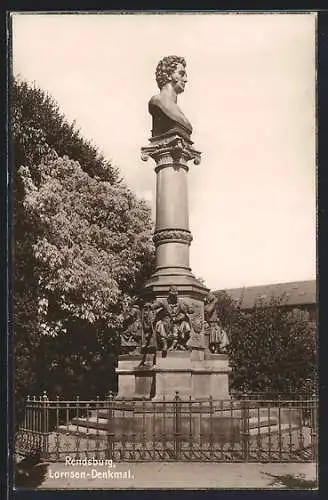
(158, 407)
(272, 429)
(91, 422)
(234, 413)
(90, 425)
(94, 431)
(73, 429)
(255, 422)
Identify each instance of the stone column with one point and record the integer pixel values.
(172, 238)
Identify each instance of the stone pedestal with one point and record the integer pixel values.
(193, 374)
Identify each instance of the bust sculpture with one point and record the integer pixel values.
(171, 78)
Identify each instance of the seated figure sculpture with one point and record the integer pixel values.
(172, 322)
(171, 78)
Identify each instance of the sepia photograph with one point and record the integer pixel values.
(163, 250)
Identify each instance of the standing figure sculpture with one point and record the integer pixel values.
(150, 342)
(171, 78)
(218, 339)
(172, 321)
(131, 337)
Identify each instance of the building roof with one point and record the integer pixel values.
(296, 293)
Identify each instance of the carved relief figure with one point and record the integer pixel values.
(171, 78)
(218, 339)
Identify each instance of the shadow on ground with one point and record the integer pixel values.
(292, 482)
(29, 473)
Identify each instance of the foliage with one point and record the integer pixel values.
(272, 348)
(81, 362)
(24, 345)
(92, 253)
(228, 309)
(92, 244)
(37, 126)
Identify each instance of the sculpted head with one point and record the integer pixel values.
(173, 293)
(210, 297)
(172, 69)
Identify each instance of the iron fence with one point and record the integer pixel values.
(243, 429)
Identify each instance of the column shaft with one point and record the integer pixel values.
(172, 198)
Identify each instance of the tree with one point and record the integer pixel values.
(37, 126)
(228, 309)
(81, 247)
(92, 253)
(92, 243)
(272, 350)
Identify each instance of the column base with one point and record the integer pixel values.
(161, 281)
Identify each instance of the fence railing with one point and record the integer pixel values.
(242, 429)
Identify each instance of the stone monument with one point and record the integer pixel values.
(174, 353)
(164, 345)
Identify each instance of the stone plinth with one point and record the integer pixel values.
(194, 374)
(135, 382)
(197, 375)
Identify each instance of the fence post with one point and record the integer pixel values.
(110, 423)
(245, 426)
(57, 439)
(77, 433)
(34, 424)
(211, 436)
(177, 426)
(23, 437)
(314, 426)
(45, 425)
(27, 415)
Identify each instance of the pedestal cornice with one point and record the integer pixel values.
(171, 148)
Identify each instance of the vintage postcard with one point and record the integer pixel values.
(163, 173)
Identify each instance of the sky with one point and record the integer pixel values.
(250, 97)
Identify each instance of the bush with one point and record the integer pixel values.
(272, 349)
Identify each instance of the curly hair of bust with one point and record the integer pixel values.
(166, 67)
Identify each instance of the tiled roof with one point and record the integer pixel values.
(296, 293)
